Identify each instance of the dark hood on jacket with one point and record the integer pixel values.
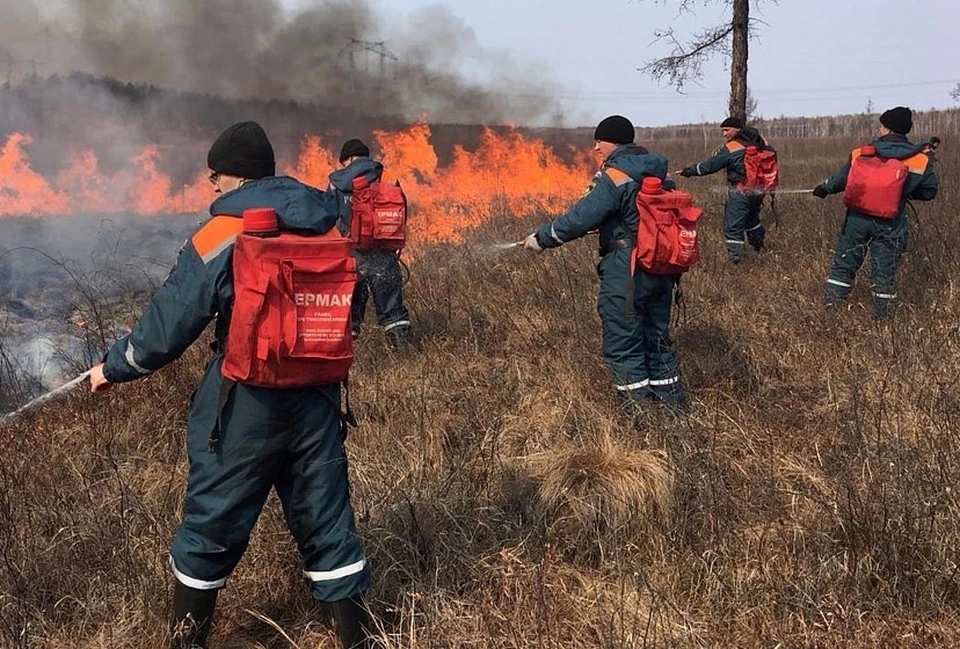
(897, 146)
(637, 162)
(342, 179)
(750, 136)
(299, 207)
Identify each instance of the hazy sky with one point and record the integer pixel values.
(812, 57)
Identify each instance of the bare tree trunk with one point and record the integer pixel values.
(738, 64)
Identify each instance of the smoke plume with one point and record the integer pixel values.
(326, 54)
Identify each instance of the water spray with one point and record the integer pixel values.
(763, 192)
(43, 398)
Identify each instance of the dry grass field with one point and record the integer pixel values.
(808, 499)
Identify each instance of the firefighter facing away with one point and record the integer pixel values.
(877, 181)
(243, 440)
(378, 270)
(636, 342)
(744, 197)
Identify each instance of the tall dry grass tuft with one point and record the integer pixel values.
(599, 489)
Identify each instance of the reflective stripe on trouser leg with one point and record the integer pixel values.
(622, 338)
(633, 392)
(198, 584)
(398, 323)
(654, 302)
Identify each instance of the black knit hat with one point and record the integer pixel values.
(899, 120)
(615, 129)
(243, 150)
(352, 148)
(732, 122)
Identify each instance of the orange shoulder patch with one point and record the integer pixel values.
(617, 176)
(733, 146)
(216, 235)
(917, 163)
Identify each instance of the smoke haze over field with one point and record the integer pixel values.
(256, 48)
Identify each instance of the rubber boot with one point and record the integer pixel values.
(401, 338)
(192, 616)
(353, 623)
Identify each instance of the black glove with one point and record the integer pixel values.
(686, 172)
(820, 191)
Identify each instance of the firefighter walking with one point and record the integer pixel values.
(378, 264)
(246, 438)
(635, 308)
(751, 172)
(877, 181)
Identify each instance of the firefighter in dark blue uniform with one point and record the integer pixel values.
(244, 440)
(742, 214)
(378, 271)
(886, 239)
(636, 346)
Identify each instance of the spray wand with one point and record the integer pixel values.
(43, 398)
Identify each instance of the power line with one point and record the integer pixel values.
(722, 94)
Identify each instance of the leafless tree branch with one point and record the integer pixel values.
(685, 62)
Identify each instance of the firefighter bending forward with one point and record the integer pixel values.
(244, 440)
(637, 347)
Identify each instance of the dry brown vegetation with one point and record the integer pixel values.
(808, 499)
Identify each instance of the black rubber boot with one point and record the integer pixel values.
(192, 615)
(402, 339)
(353, 623)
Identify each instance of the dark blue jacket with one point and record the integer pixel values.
(729, 157)
(200, 287)
(341, 181)
(922, 183)
(609, 204)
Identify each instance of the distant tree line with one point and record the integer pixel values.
(925, 124)
(117, 119)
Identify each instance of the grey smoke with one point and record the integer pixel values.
(256, 48)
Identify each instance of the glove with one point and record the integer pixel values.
(531, 243)
(686, 172)
(820, 191)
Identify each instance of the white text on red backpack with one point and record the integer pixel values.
(378, 215)
(667, 239)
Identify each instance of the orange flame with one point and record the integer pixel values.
(507, 174)
(23, 191)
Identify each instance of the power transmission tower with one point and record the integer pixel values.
(357, 46)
